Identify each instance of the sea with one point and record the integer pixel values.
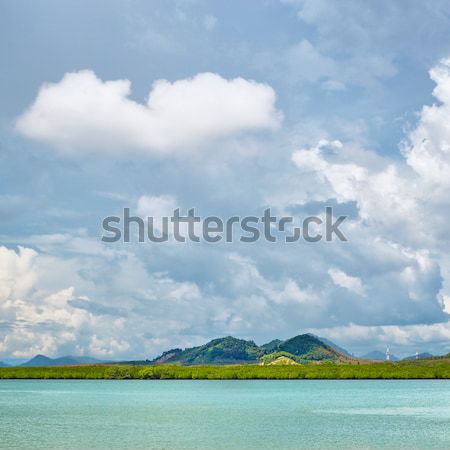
(224, 415)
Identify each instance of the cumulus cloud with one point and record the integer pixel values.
(388, 284)
(354, 284)
(41, 317)
(402, 214)
(411, 195)
(110, 304)
(428, 152)
(82, 113)
(398, 291)
(27, 311)
(156, 207)
(402, 340)
(17, 274)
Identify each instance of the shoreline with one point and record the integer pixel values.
(423, 370)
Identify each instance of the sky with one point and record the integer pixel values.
(230, 108)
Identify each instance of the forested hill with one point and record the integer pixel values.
(230, 350)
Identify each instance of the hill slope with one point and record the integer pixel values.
(304, 348)
(335, 346)
(271, 346)
(229, 350)
(283, 361)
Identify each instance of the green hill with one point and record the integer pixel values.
(335, 346)
(227, 350)
(271, 346)
(304, 348)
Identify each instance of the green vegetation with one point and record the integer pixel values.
(229, 350)
(283, 360)
(275, 356)
(308, 347)
(426, 369)
(302, 349)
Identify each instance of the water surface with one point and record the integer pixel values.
(224, 415)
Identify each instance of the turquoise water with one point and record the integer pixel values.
(216, 415)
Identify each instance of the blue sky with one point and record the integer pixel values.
(292, 105)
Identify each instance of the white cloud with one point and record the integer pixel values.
(38, 316)
(366, 44)
(402, 212)
(156, 207)
(305, 62)
(354, 284)
(446, 303)
(27, 310)
(429, 150)
(209, 22)
(109, 304)
(163, 206)
(394, 258)
(389, 195)
(82, 113)
(17, 274)
(402, 340)
(107, 347)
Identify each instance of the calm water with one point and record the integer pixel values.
(216, 415)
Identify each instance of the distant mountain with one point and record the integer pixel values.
(2, 364)
(38, 360)
(421, 356)
(376, 355)
(335, 346)
(271, 346)
(230, 350)
(227, 350)
(42, 360)
(304, 348)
